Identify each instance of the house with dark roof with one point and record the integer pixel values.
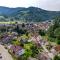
(8, 38)
(17, 50)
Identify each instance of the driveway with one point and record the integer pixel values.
(4, 53)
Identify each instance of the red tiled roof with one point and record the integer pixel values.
(57, 48)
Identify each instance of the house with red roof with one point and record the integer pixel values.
(57, 48)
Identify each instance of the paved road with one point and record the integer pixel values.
(4, 53)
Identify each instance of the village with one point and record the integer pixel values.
(25, 42)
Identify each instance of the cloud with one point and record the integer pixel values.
(44, 4)
(50, 5)
(18, 3)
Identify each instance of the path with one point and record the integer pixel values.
(4, 53)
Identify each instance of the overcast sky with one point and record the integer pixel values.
(44, 4)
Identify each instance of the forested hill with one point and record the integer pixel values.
(26, 14)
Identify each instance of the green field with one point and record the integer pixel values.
(7, 22)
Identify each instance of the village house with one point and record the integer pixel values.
(30, 58)
(43, 56)
(53, 51)
(17, 50)
(57, 48)
(23, 41)
(8, 38)
(44, 25)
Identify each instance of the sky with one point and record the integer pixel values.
(53, 5)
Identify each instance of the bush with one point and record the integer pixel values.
(42, 32)
(57, 57)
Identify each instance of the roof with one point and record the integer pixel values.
(30, 58)
(16, 48)
(43, 56)
(57, 48)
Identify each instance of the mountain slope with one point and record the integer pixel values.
(27, 14)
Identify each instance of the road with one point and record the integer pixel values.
(4, 53)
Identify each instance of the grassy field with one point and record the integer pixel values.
(12, 22)
(7, 22)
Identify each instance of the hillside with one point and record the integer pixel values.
(26, 14)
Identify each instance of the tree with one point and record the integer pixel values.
(23, 25)
(54, 28)
(51, 31)
(42, 32)
(20, 31)
(34, 50)
(26, 54)
(57, 33)
(54, 31)
(56, 22)
(57, 57)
